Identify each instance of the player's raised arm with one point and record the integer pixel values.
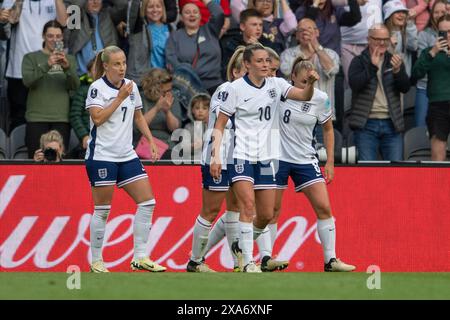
(306, 93)
(217, 134)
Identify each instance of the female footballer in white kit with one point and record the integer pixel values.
(114, 103)
(252, 102)
(227, 224)
(216, 190)
(298, 159)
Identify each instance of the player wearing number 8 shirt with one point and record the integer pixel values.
(114, 103)
(298, 159)
(251, 103)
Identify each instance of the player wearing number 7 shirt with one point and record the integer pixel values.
(298, 159)
(251, 103)
(114, 104)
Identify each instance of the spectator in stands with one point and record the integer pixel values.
(326, 60)
(148, 37)
(427, 38)
(199, 114)
(402, 30)
(51, 147)
(97, 31)
(377, 78)
(251, 27)
(354, 39)
(204, 12)
(418, 12)
(198, 46)
(22, 28)
(275, 28)
(126, 15)
(48, 98)
(435, 62)
(329, 19)
(162, 111)
(79, 115)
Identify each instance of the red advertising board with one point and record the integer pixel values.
(397, 218)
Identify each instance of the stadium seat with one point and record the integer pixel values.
(4, 154)
(338, 148)
(73, 142)
(417, 144)
(17, 147)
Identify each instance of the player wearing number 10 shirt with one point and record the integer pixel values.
(252, 105)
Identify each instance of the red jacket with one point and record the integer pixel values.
(225, 4)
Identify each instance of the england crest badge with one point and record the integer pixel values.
(306, 107)
(272, 93)
(239, 168)
(218, 181)
(103, 173)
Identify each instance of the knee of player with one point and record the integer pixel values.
(323, 212)
(248, 206)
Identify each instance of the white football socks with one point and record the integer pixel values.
(264, 242)
(273, 227)
(327, 235)
(202, 228)
(141, 227)
(97, 230)
(246, 241)
(217, 233)
(232, 231)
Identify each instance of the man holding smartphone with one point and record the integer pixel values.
(435, 62)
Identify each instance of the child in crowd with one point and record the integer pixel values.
(199, 114)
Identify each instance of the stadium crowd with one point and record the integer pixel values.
(380, 83)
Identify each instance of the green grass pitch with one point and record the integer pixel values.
(224, 286)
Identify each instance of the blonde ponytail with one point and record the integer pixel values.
(101, 57)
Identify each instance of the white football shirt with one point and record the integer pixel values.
(297, 122)
(26, 36)
(214, 107)
(113, 140)
(253, 111)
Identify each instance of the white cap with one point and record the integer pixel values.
(393, 6)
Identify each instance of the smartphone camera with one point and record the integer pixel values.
(59, 46)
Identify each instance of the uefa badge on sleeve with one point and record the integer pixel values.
(103, 173)
(93, 93)
(132, 97)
